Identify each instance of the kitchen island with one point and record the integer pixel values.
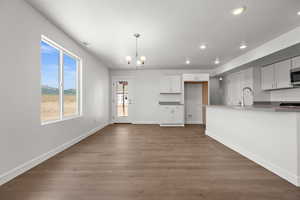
(268, 135)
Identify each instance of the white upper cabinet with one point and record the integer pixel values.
(165, 84)
(282, 74)
(267, 77)
(170, 84)
(175, 84)
(296, 62)
(276, 76)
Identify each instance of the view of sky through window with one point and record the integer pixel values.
(50, 73)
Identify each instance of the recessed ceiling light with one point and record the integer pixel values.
(217, 61)
(298, 12)
(221, 78)
(243, 45)
(203, 46)
(238, 11)
(187, 62)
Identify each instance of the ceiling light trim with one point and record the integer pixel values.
(239, 10)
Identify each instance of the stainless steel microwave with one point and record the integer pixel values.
(295, 76)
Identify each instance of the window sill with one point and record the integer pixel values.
(60, 120)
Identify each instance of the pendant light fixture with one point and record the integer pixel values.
(138, 60)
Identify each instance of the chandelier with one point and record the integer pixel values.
(138, 60)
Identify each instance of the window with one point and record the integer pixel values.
(60, 82)
(122, 98)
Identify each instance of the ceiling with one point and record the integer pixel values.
(172, 30)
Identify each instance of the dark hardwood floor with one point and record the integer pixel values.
(129, 162)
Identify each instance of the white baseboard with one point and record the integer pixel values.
(4, 178)
(294, 179)
(145, 122)
(155, 122)
(193, 122)
(171, 125)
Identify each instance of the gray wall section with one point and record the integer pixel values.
(216, 91)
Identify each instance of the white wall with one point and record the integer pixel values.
(146, 91)
(286, 95)
(22, 137)
(193, 103)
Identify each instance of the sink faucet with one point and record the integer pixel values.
(243, 94)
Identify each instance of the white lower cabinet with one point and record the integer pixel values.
(171, 115)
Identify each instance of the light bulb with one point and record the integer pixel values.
(128, 59)
(187, 62)
(138, 62)
(143, 58)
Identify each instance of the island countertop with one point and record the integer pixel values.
(261, 107)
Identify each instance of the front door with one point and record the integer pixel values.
(122, 100)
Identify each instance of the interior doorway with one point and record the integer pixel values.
(122, 100)
(195, 99)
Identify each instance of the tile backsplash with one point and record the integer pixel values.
(286, 95)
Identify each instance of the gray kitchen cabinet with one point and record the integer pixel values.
(276, 76)
(282, 74)
(296, 62)
(267, 77)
